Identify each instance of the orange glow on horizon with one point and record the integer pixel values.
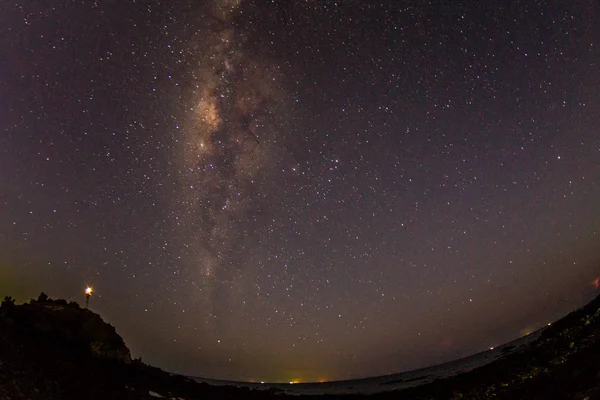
(597, 283)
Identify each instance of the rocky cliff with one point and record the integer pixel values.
(68, 324)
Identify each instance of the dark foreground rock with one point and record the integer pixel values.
(55, 350)
(51, 349)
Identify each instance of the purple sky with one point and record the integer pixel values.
(302, 190)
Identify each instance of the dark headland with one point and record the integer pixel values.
(51, 349)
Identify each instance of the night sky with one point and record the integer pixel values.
(302, 190)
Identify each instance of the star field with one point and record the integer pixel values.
(302, 190)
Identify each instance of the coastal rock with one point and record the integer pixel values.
(68, 323)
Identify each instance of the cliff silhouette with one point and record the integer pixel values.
(51, 349)
(67, 324)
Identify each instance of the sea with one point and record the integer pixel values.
(393, 382)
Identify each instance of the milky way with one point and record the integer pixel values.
(231, 139)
